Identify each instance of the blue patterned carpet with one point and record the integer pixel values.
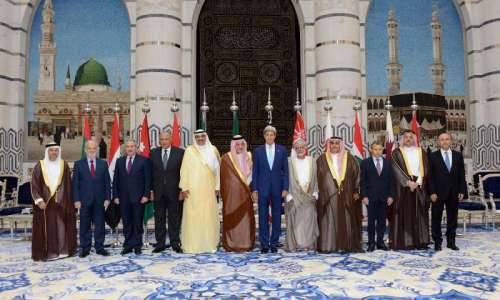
(472, 273)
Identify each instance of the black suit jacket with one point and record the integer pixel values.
(132, 187)
(443, 183)
(376, 187)
(166, 182)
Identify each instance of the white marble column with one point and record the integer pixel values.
(158, 62)
(13, 80)
(481, 26)
(338, 62)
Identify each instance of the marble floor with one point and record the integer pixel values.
(472, 273)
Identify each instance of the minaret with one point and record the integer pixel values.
(47, 48)
(438, 70)
(393, 68)
(67, 80)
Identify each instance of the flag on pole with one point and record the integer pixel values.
(203, 121)
(86, 133)
(357, 148)
(176, 132)
(328, 131)
(144, 150)
(114, 149)
(299, 132)
(389, 143)
(414, 126)
(236, 124)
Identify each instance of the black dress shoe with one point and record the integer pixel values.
(453, 247)
(274, 250)
(102, 252)
(177, 249)
(159, 249)
(264, 250)
(126, 251)
(437, 247)
(84, 253)
(371, 247)
(382, 247)
(137, 251)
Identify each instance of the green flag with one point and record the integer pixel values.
(236, 124)
(203, 122)
(148, 212)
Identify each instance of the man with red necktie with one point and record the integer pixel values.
(131, 190)
(91, 194)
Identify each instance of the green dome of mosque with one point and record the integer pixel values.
(91, 72)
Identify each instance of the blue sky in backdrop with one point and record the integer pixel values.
(84, 29)
(415, 45)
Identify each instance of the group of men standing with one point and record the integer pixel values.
(322, 197)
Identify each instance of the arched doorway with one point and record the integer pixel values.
(248, 47)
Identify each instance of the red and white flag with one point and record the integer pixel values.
(176, 132)
(357, 148)
(389, 143)
(144, 146)
(414, 127)
(114, 149)
(299, 132)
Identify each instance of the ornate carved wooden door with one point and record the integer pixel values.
(247, 46)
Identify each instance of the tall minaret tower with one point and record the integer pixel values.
(393, 68)
(438, 70)
(47, 48)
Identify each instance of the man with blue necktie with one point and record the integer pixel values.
(269, 185)
(91, 194)
(447, 186)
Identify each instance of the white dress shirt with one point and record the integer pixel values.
(270, 154)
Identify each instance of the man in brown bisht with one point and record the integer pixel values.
(238, 220)
(409, 219)
(54, 217)
(339, 206)
(300, 208)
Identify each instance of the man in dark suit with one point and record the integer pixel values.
(91, 194)
(166, 167)
(131, 190)
(270, 183)
(447, 186)
(377, 192)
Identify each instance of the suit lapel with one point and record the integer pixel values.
(86, 167)
(276, 151)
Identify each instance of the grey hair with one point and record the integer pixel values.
(270, 128)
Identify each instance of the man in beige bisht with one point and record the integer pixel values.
(238, 220)
(199, 185)
(300, 208)
(339, 207)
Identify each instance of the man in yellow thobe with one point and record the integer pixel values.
(200, 185)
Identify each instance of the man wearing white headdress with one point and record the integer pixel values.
(54, 217)
(300, 210)
(238, 220)
(409, 217)
(199, 183)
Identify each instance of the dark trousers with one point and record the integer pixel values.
(263, 221)
(451, 204)
(377, 214)
(132, 217)
(92, 214)
(163, 205)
